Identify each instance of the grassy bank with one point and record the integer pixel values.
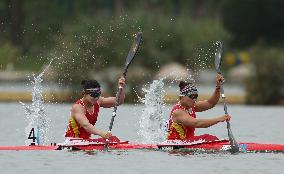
(67, 97)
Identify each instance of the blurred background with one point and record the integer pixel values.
(91, 39)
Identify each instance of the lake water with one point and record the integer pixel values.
(249, 123)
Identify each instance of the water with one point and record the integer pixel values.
(152, 124)
(249, 123)
(35, 113)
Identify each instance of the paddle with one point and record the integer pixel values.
(130, 57)
(218, 61)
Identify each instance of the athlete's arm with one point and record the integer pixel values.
(78, 113)
(213, 100)
(181, 116)
(108, 102)
(208, 104)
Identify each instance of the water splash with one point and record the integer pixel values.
(35, 113)
(202, 59)
(152, 123)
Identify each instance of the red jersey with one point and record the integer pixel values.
(177, 131)
(74, 129)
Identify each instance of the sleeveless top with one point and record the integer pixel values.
(177, 131)
(74, 129)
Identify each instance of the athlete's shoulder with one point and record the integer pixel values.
(77, 107)
(178, 112)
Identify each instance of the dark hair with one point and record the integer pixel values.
(87, 84)
(182, 84)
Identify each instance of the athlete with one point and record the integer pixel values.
(183, 121)
(84, 112)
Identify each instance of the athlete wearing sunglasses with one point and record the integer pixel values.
(84, 112)
(183, 121)
(93, 92)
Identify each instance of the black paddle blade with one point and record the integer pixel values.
(132, 52)
(218, 56)
(234, 145)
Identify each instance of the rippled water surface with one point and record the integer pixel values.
(249, 123)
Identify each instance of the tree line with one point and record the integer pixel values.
(94, 35)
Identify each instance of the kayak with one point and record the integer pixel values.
(224, 145)
(219, 145)
(31, 147)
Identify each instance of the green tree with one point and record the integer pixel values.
(266, 86)
(251, 21)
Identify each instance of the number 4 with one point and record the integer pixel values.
(32, 136)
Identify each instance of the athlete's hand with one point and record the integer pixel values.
(106, 135)
(225, 117)
(121, 81)
(219, 79)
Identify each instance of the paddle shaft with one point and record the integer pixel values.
(117, 98)
(225, 106)
(233, 142)
(131, 54)
(224, 98)
(218, 61)
(130, 57)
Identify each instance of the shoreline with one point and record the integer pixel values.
(61, 96)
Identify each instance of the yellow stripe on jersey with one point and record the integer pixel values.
(180, 130)
(74, 126)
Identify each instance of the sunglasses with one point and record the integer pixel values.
(193, 96)
(95, 93)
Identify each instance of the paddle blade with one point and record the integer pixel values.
(234, 145)
(218, 56)
(133, 50)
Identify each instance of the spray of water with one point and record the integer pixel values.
(152, 127)
(35, 113)
(202, 59)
